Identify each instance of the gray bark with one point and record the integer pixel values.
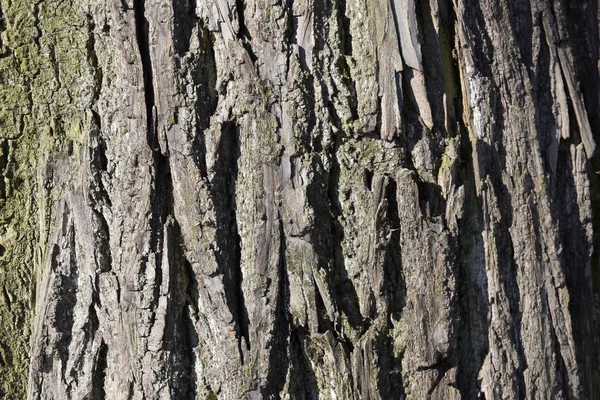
(299, 199)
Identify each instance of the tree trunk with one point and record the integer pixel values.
(299, 199)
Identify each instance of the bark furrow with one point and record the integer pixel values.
(299, 199)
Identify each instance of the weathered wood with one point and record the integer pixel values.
(305, 199)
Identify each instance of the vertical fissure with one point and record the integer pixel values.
(180, 337)
(472, 297)
(98, 195)
(93, 60)
(583, 34)
(4, 152)
(240, 305)
(66, 283)
(228, 251)
(204, 77)
(161, 192)
(394, 285)
(142, 36)
(243, 32)
(279, 360)
(190, 335)
(184, 22)
(304, 381)
(99, 373)
(324, 323)
(344, 291)
(344, 29)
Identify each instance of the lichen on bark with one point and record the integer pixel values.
(299, 199)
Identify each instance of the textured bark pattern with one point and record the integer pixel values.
(299, 199)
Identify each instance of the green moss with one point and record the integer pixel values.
(46, 79)
(17, 237)
(449, 157)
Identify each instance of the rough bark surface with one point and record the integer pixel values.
(299, 199)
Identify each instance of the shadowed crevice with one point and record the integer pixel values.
(184, 21)
(473, 331)
(303, 384)
(324, 323)
(161, 190)
(576, 264)
(389, 368)
(141, 34)
(67, 281)
(563, 384)
(228, 250)
(581, 22)
(201, 70)
(429, 40)
(344, 292)
(507, 264)
(98, 197)
(99, 373)
(180, 338)
(394, 285)
(4, 151)
(344, 29)
(431, 200)
(279, 357)
(92, 58)
(243, 33)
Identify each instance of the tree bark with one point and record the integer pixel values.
(299, 199)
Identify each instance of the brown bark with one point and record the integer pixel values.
(303, 199)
